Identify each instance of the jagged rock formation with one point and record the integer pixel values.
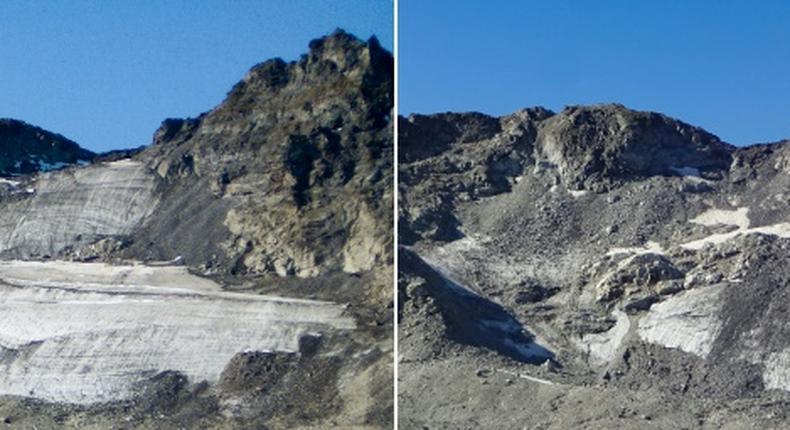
(647, 256)
(308, 141)
(284, 189)
(26, 149)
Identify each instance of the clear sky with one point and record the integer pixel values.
(719, 64)
(105, 73)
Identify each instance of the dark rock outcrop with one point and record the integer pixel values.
(26, 149)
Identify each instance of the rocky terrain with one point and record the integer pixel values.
(236, 273)
(595, 268)
(26, 149)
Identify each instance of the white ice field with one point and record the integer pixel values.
(90, 332)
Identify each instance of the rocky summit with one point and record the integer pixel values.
(595, 268)
(235, 273)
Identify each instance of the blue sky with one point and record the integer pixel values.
(722, 65)
(105, 73)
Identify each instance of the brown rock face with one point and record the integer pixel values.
(299, 157)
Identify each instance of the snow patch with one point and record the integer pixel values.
(527, 377)
(780, 230)
(46, 167)
(650, 247)
(738, 217)
(686, 171)
(122, 163)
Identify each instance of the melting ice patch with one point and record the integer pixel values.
(46, 167)
(603, 347)
(777, 371)
(475, 320)
(691, 174)
(103, 199)
(688, 321)
(738, 217)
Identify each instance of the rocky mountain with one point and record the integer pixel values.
(267, 221)
(593, 268)
(308, 141)
(26, 149)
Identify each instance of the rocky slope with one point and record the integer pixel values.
(640, 260)
(284, 189)
(26, 149)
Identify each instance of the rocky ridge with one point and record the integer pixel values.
(647, 256)
(26, 149)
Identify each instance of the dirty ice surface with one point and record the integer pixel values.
(689, 321)
(90, 332)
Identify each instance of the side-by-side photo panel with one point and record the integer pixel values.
(235, 270)
(577, 249)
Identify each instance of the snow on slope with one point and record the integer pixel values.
(738, 217)
(90, 332)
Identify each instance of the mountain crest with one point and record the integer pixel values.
(26, 149)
